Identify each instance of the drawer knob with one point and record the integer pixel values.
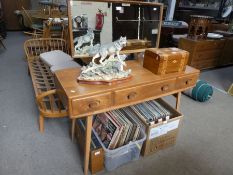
(94, 104)
(187, 82)
(164, 88)
(131, 95)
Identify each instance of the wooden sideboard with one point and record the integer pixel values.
(227, 52)
(208, 53)
(85, 100)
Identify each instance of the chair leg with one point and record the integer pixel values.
(2, 44)
(29, 74)
(41, 124)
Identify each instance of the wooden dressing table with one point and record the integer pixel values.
(85, 100)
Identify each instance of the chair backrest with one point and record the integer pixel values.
(55, 13)
(34, 47)
(27, 17)
(53, 29)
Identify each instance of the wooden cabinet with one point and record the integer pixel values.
(227, 52)
(208, 53)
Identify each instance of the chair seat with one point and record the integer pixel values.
(55, 57)
(56, 28)
(37, 26)
(64, 65)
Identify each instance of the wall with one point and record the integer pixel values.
(10, 18)
(90, 9)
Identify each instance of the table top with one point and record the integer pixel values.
(204, 40)
(140, 76)
(43, 16)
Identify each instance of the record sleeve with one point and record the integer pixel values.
(125, 130)
(120, 126)
(106, 129)
(128, 124)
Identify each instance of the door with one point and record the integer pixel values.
(10, 18)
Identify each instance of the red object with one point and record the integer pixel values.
(99, 20)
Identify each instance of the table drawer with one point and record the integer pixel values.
(211, 54)
(89, 104)
(210, 45)
(186, 81)
(142, 92)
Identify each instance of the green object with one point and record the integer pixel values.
(201, 92)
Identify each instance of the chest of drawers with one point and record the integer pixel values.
(205, 53)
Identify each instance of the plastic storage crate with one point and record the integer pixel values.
(119, 156)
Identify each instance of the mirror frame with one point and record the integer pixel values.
(160, 5)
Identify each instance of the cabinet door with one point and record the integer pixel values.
(128, 28)
(227, 53)
(9, 7)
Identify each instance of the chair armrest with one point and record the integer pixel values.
(55, 108)
(44, 94)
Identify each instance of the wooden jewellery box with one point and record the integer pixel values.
(165, 60)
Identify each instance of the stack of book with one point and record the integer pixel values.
(118, 127)
(151, 112)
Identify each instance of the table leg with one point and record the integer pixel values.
(73, 129)
(88, 144)
(178, 98)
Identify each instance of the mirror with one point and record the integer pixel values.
(96, 23)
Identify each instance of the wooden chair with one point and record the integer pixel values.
(47, 97)
(1, 39)
(34, 47)
(53, 29)
(37, 28)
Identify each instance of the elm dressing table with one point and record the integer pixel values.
(84, 100)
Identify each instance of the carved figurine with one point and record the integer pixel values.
(87, 38)
(108, 70)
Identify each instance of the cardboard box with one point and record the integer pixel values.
(162, 134)
(96, 161)
(165, 60)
